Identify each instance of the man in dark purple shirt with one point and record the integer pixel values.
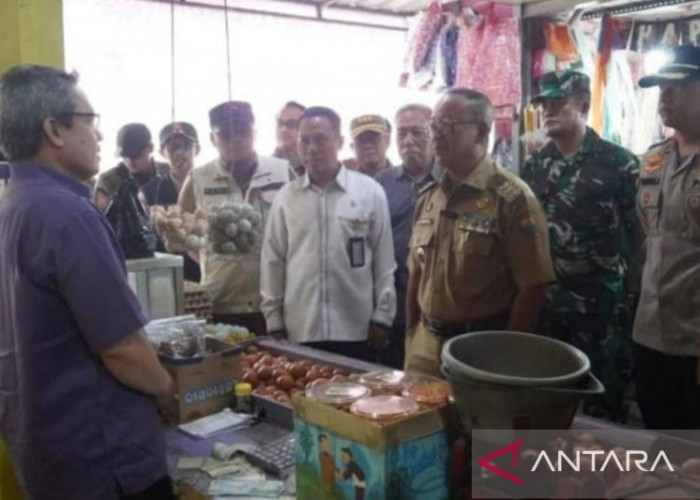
(79, 382)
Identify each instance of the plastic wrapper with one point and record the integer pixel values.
(178, 338)
(234, 228)
(384, 408)
(338, 394)
(227, 333)
(180, 231)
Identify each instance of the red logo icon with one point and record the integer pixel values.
(512, 448)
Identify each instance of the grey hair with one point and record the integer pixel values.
(419, 108)
(483, 109)
(29, 95)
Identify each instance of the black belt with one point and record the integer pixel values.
(448, 330)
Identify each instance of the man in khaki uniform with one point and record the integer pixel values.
(479, 253)
(667, 324)
(238, 175)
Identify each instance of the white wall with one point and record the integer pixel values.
(121, 48)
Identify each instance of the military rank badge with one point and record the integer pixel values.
(653, 163)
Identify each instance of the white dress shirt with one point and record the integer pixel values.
(309, 286)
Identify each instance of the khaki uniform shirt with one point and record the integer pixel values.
(668, 315)
(233, 281)
(476, 243)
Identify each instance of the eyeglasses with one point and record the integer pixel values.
(94, 118)
(419, 132)
(448, 127)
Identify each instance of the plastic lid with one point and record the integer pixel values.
(431, 393)
(384, 407)
(243, 389)
(385, 379)
(337, 393)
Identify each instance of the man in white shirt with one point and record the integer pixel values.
(327, 268)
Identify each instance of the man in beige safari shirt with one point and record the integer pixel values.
(238, 175)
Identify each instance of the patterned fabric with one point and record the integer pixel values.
(589, 201)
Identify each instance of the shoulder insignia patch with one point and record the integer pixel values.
(508, 190)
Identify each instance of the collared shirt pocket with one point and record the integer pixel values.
(354, 225)
(473, 236)
(422, 234)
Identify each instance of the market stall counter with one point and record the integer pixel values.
(273, 419)
(341, 449)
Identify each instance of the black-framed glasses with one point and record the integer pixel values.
(94, 117)
(448, 127)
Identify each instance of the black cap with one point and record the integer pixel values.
(683, 65)
(132, 139)
(231, 112)
(178, 128)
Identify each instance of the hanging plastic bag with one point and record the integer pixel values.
(130, 222)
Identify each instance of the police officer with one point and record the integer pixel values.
(667, 324)
(587, 188)
(479, 252)
(238, 175)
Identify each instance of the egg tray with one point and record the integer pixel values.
(281, 414)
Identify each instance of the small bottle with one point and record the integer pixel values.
(244, 398)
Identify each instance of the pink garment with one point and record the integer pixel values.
(489, 59)
(429, 27)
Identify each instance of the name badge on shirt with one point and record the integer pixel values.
(217, 190)
(479, 223)
(696, 183)
(356, 251)
(651, 181)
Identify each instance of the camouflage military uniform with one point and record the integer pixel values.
(589, 201)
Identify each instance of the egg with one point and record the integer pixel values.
(284, 382)
(318, 381)
(312, 374)
(283, 398)
(279, 372)
(265, 373)
(250, 376)
(267, 360)
(296, 370)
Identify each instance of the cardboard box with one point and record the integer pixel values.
(341, 456)
(205, 383)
